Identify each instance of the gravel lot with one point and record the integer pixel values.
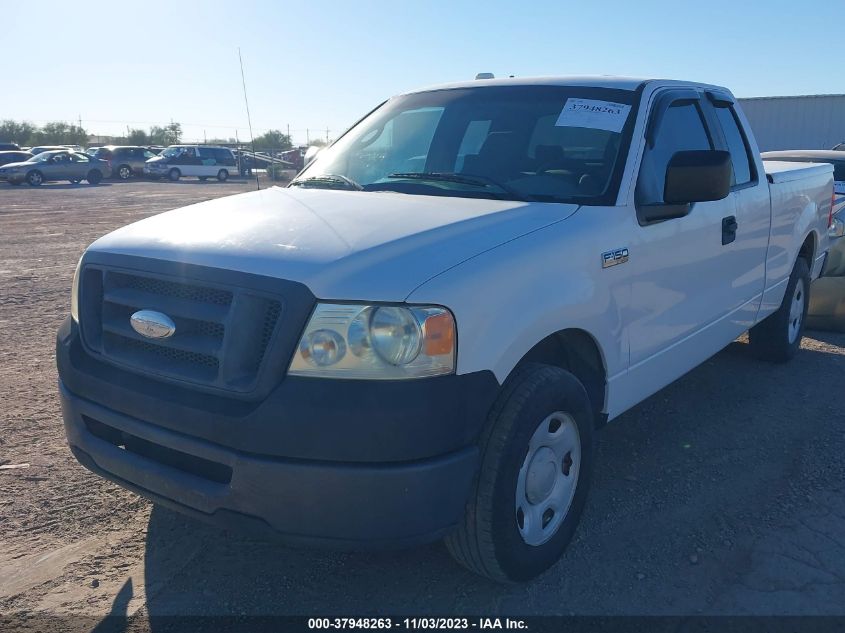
(722, 494)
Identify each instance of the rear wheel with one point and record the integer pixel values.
(778, 337)
(536, 459)
(94, 177)
(222, 175)
(174, 174)
(34, 178)
(124, 172)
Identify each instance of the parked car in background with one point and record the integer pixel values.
(827, 301)
(202, 161)
(14, 157)
(56, 165)
(46, 148)
(8, 147)
(125, 160)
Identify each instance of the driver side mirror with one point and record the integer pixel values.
(698, 176)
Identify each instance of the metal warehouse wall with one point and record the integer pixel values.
(808, 122)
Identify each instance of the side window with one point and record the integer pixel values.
(839, 171)
(681, 129)
(737, 146)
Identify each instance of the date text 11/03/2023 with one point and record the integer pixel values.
(423, 623)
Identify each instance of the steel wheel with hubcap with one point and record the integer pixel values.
(536, 458)
(796, 312)
(548, 478)
(778, 337)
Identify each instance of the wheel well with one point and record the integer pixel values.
(578, 353)
(808, 250)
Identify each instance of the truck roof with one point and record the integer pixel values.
(590, 81)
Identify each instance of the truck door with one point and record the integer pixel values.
(744, 252)
(681, 283)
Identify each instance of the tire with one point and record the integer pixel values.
(34, 178)
(496, 538)
(174, 174)
(778, 337)
(222, 175)
(94, 177)
(124, 172)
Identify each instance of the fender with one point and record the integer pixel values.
(522, 302)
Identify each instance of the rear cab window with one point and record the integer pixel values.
(737, 145)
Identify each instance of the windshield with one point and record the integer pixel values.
(540, 143)
(172, 152)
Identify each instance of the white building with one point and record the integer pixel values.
(805, 122)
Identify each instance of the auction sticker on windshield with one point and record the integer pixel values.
(591, 113)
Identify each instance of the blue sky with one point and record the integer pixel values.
(322, 64)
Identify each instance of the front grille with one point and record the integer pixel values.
(222, 333)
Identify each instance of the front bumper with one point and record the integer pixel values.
(342, 479)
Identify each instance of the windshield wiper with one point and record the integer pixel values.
(327, 179)
(464, 179)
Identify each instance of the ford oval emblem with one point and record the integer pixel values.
(152, 324)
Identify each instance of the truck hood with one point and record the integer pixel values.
(374, 246)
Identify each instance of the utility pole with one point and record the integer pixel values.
(307, 136)
(289, 132)
(327, 136)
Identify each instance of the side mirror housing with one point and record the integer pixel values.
(697, 176)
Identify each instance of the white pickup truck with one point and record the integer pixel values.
(418, 337)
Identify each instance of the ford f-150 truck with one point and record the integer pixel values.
(418, 337)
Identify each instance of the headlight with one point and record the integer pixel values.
(74, 293)
(376, 342)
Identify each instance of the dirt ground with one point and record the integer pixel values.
(722, 494)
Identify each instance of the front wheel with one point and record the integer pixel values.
(222, 175)
(34, 178)
(536, 460)
(778, 337)
(94, 177)
(174, 174)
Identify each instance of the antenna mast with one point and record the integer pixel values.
(248, 118)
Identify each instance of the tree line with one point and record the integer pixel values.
(28, 134)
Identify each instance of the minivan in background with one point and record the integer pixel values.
(125, 160)
(201, 161)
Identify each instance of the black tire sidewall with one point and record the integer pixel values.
(128, 169)
(517, 559)
(222, 175)
(29, 177)
(94, 177)
(174, 174)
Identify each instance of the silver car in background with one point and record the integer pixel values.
(827, 299)
(56, 165)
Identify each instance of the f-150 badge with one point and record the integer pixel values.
(611, 258)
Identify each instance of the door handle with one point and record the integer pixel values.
(729, 227)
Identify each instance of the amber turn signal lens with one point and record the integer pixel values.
(439, 334)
